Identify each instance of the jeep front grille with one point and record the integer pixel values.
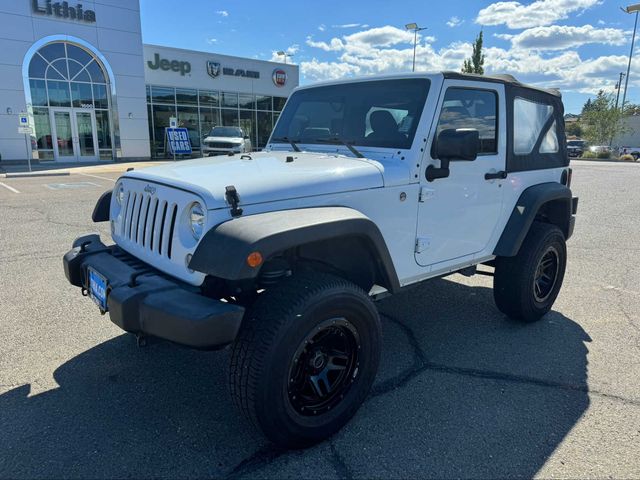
(150, 225)
(220, 145)
(149, 222)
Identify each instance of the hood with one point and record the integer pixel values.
(224, 139)
(266, 176)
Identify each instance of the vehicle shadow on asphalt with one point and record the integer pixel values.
(462, 392)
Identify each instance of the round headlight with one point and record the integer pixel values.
(196, 220)
(120, 194)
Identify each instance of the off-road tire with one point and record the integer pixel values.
(269, 345)
(513, 283)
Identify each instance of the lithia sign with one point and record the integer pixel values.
(63, 10)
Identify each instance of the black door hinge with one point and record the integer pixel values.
(233, 199)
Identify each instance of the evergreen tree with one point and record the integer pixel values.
(475, 64)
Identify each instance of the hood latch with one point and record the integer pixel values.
(233, 199)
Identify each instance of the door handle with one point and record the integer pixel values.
(501, 175)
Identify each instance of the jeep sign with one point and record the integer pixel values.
(174, 65)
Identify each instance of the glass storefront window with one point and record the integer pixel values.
(37, 67)
(163, 95)
(209, 98)
(265, 125)
(229, 99)
(264, 102)
(81, 95)
(100, 96)
(102, 129)
(38, 93)
(278, 103)
(70, 73)
(43, 128)
(148, 94)
(53, 51)
(78, 54)
(161, 115)
(97, 75)
(58, 94)
(186, 96)
(247, 101)
(229, 117)
(248, 124)
(188, 118)
(209, 118)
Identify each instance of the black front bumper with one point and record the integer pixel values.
(142, 300)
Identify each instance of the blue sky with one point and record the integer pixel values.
(578, 46)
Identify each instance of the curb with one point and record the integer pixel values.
(34, 174)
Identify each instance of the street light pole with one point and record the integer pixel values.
(284, 54)
(630, 9)
(415, 29)
(619, 87)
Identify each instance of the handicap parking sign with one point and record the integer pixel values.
(23, 120)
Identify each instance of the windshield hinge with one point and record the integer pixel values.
(426, 193)
(233, 199)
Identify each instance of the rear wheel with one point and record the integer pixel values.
(526, 286)
(305, 358)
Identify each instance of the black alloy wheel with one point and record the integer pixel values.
(324, 367)
(546, 275)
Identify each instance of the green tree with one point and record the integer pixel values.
(602, 120)
(574, 129)
(475, 64)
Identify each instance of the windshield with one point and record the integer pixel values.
(575, 143)
(381, 113)
(225, 132)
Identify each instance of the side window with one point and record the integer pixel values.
(472, 108)
(529, 118)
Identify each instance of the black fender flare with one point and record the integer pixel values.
(101, 210)
(526, 210)
(223, 250)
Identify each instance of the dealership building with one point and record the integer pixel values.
(77, 84)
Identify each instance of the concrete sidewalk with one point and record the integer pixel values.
(62, 169)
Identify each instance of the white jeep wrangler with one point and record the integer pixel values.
(366, 186)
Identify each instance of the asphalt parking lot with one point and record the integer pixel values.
(461, 391)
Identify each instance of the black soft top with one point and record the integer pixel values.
(500, 78)
(513, 90)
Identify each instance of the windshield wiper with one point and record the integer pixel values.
(289, 141)
(339, 141)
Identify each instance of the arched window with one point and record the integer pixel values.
(64, 75)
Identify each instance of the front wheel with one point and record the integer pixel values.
(526, 286)
(305, 358)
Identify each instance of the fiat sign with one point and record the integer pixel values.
(279, 77)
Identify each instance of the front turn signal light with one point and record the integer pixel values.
(254, 259)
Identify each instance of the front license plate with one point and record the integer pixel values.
(98, 289)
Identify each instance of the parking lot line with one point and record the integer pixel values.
(9, 187)
(97, 176)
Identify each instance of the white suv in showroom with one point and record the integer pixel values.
(224, 140)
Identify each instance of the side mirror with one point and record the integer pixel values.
(451, 146)
(246, 137)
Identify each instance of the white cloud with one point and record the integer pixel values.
(538, 13)
(333, 46)
(455, 22)
(212, 41)
(322, 27)
(562, 37)
(351, 25)
(222, 13)
(543, 56)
